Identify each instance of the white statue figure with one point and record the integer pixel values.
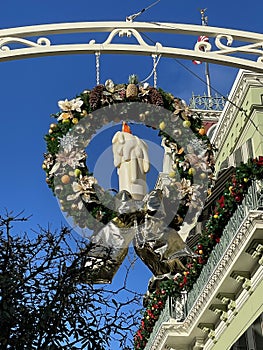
(167, 158)
(131, 158)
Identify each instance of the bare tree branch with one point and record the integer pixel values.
(45, 302)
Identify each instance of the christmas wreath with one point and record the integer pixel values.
(80, 118)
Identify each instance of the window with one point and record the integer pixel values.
(252, 339)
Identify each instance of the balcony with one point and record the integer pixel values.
(209, 317)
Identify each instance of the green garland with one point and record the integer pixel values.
(226, 205)
(77, 122)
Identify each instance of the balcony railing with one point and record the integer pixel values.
(204, 102)
(251, 201)
(178, 308)
(164, 317)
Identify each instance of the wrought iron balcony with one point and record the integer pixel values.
(252, 201)
(215, 103)
(177, 310)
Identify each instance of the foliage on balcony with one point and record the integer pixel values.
(234, 192)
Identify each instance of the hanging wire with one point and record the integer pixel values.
(153, 71)
(97, 54)
(131, 18)
(241, 109)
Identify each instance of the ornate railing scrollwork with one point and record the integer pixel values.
(12, 40)
(254, 49)
(128, 32)
(229, 41)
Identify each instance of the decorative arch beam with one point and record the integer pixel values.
(226, 47)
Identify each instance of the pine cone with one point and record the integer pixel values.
(95, 96)
(155, 97)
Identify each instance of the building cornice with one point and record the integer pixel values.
(244, 80)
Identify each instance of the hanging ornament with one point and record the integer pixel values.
(65, 179)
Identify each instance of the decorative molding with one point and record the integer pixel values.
(220, 309)
(226, 297)
(208, 328)
(229, 300)
(198, 343)
(244, 277)
(256, 250)
(237, 95)
(217, 308)
(240, 276)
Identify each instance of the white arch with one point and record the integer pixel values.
(224, 48)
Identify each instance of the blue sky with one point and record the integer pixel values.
(31, 88)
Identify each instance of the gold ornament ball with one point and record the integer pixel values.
(84, 113)
(77, 172)
(162, 126)
(65, 179)
(216, 216)
(202, 176)
(44, 166)
(172, 174)
(53, 126)
(186, 123)
(201, 131)
(50, 131)
(192, 171)
(246, 179)
(75, 120)
(74, 206)
(65, 121)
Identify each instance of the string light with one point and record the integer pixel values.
(153, 71)
(97, 54)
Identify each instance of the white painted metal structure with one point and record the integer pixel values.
(226, 47)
